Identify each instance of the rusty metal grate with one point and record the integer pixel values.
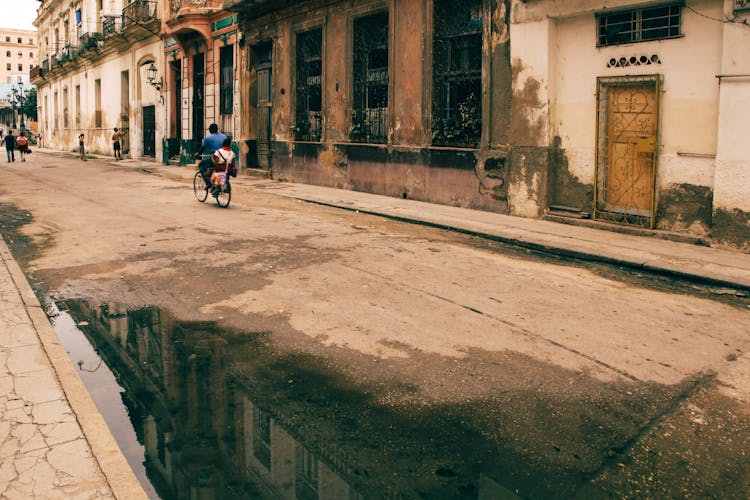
(307, 124)
(457, 72)
(370, 79)
(639, 25)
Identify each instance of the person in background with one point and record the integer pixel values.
(10, 146)
(116, 144)
(22, 144)
(82, 147)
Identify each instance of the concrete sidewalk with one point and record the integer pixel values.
(53, 441)
(702, 264)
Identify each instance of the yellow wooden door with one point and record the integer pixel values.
(626, 185)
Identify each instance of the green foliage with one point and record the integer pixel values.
(465, 129)
(28, 108)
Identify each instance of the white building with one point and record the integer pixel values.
(645, 105)
(93, 74)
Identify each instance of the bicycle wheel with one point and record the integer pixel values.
(224, 197)
(199, 187)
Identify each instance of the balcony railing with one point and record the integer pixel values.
(35, 72)
(137, 12)
(111, 25)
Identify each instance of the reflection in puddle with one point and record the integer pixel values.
(215, 414)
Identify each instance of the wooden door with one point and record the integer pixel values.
(628, 131)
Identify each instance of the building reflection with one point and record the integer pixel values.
(204, 438)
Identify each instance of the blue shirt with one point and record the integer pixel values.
(213, 141)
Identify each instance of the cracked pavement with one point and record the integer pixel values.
(44, 451)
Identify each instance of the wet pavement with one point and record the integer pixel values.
(220, 411)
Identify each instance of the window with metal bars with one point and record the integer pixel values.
(457, 73)
(307, 122)
(370, 79)
(639, 25)
(226, 80)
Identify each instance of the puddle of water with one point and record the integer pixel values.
(204, 413)
(110, 397)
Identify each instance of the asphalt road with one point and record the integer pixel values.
(590, 383)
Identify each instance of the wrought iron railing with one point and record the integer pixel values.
(308, 126)
(111, 25)
(137, 12)
(369, 125)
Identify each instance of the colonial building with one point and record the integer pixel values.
(200, 59)
(18, 54)
(99, 70)
(630, 112)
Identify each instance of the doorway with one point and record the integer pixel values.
(264, 104)
(627, 149)
(149, 131)
(198, 99)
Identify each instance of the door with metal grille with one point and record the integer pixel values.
(628, 121)
(149, 131)
(264, 104)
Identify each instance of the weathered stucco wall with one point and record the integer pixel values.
(109, 72)
(555, 57)
(731, 215)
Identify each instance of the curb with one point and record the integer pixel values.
(117, 473)
(548, 249)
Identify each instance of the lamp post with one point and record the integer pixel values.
(17, 99)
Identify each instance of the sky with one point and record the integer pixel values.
(18, 14)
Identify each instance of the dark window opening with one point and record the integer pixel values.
(457, 70)
(262, 437)
(370, 79)
(309, 95)
(639, 25)
(226, 80)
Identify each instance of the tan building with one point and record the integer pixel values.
(18, 54)
(94, 75)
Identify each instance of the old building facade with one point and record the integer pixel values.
(200, 60)
(99, 69)
(621, 111)
(18, 54)
(509, 106)
(645, 108)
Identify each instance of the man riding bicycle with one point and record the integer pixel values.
(211, 142)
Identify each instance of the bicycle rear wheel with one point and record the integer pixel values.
(224, 197)
(199, 187)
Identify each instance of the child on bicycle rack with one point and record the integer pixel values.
(222, 159)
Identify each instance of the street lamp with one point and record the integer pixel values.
(151, 77)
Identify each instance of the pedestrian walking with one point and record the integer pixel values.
(82, 147)
(22, 144)
(116, 144)
(10, 146)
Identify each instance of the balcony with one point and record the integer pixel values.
(138, 12)
(35, 73)
(111, 25)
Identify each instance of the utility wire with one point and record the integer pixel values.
(734, 20)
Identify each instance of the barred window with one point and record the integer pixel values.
(639, 25)
(457, 73)
(370, 79)
(309, 86)
(226, 80)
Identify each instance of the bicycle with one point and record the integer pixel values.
(222, 194)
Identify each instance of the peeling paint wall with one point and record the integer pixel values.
(556, 64)
(731, 218)
(406, 166)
